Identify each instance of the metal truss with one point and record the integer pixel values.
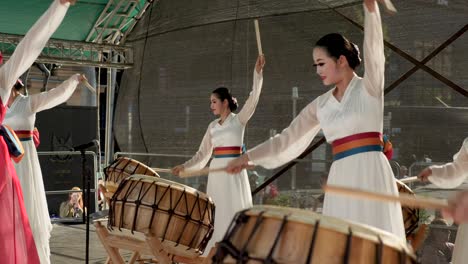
(117, 20)
(75, 53)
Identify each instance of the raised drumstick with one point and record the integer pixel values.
(86, 83)
(389, 6)
(257, 34)
(404, 199)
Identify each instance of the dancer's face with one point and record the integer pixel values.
(217, 106)
(327, 67)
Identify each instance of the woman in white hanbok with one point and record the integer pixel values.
(224, 138)
(17, 245)
(21, 116)
(351, 117)
(451, 175)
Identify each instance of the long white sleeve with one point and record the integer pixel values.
(374, 57)
(203, 155)
(30, 47)
(249, 107)
(290, 143)
(454, 173)
(54, 97)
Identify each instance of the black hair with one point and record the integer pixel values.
(18, 85)
(336, 45)
(223, 93)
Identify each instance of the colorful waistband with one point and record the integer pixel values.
(228, 152)
(357, 143)
(24, 135)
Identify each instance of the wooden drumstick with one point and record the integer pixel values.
(206, 171)
(409, 179)
(257, 34)
(86, 83)
(404, 199)
(162, 170)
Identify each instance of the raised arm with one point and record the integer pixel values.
(56, 96)
(203, 155)
(31, 46)
(249, 107)
(454, 173)
(374, 57)
(290, 143)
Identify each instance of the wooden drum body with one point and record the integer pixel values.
(123, 167)
(180, 216)
(284, 235)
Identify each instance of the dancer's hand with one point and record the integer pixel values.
(424, 174)
(370, 4)
(82, 78)
(72, 2)
(260, 63)
(177, 169)
(458, 210)
(237, 165)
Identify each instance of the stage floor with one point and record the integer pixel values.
(67, 245)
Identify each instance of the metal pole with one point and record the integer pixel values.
(294, 97)
(109, 109)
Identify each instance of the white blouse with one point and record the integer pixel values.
(30, 47)
(454, 173)
(360, 110)
(231, 132)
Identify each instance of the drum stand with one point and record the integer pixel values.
(152, 246)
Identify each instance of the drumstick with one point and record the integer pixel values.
(404, 199)
(86, 83)
(257, 34)
(162, 170)
(206, 171)
(409, 179)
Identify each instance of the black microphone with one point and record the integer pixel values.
(85, 146)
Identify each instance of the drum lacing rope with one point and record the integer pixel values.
(312, 242)
(111, 221)
(142, 192)
(347, 253)
(211, 219)
(414, 213)
(200, 222)
(138, 202)
(225, 247)
(108, 167)
(259, 221)
(379, 251)
(242, 256)
(188, 216)
(130, 189)
(269, 258)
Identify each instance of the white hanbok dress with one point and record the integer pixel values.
(230, 192)
(452, 175)
(22, 116)
(17, 245)
(359, 111)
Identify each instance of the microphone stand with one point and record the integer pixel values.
(86, 177)
(87, 195)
